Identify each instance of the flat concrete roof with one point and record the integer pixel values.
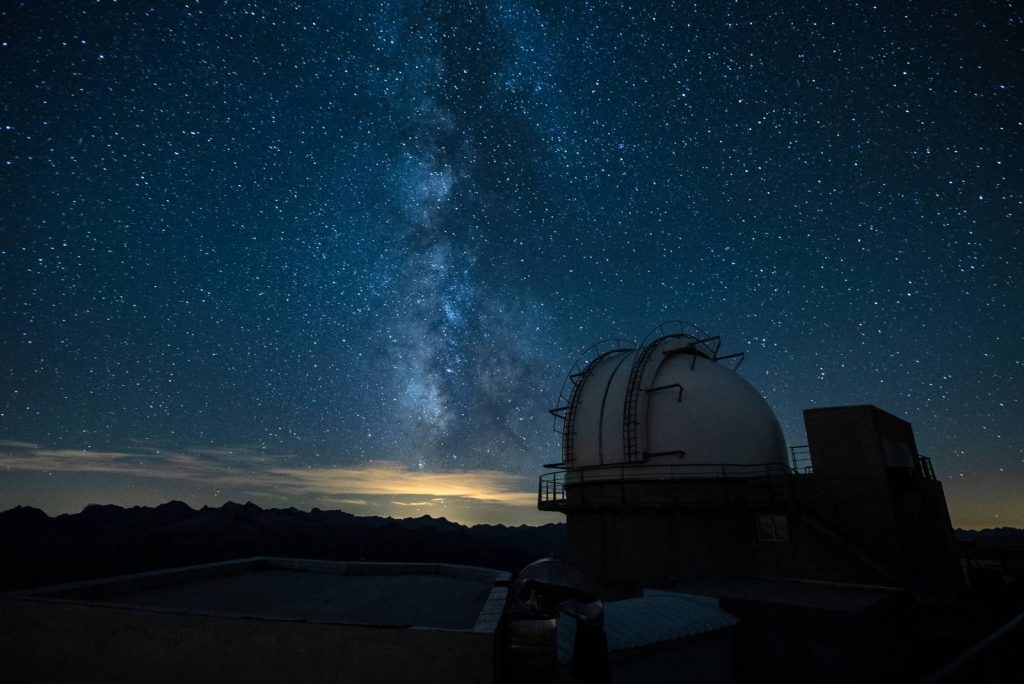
(423, 600)
(382, 594)
(797, 593)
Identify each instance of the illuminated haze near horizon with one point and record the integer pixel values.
(342, 255)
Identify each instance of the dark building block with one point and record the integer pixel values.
(867, 461)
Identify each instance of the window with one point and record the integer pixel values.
(897, 454)
(772, 527)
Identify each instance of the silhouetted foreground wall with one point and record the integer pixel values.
(75, 639)
(46, 642)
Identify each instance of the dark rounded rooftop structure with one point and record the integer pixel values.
(671, 400)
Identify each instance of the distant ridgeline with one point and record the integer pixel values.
(994, 533)
(110, 540)
(1002, 544)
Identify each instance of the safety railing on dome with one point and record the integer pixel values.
(630, 417)
(568, 395)
(670, 329)
(630, 421)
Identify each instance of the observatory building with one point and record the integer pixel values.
(699, 548)
(675, 476)
(674, 469)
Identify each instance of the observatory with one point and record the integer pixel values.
(674, 469)
(698, 545)
(626, 406)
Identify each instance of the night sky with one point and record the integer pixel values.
(342, 254)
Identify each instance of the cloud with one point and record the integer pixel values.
(6, 443)
(272, 475)
(393, 479)
(354, 502)
(230, 469)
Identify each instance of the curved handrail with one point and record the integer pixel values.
(584, 359)
(631, 409)
(569, 425)
(673, 329)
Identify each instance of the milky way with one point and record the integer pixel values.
(271, 237)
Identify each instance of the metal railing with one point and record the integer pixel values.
(630, 424)
(800, 459)
(551, 487)
(631, 407)
(584, 359)
(565, 488)
(924, 467)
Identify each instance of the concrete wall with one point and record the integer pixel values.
(926, 532)
(850, 464)
(635, 547)
(860, 460)
(73, 633)
(866, 515)
(702, 529)
(57, 641)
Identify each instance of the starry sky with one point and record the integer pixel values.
(342, 254)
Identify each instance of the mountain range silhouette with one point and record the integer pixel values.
(105, 540)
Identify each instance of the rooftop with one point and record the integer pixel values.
(422, 595)
(847, 598)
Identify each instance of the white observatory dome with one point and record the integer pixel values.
(670, 402)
